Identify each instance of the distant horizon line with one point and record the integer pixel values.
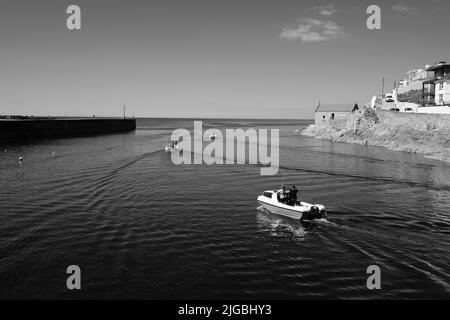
(155, 117)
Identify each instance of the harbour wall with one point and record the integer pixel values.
(30, 129)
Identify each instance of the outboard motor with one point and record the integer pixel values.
(313, 213)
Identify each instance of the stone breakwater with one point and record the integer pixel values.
(425, 134)
(30, 129)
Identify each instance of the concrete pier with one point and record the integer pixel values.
(29, 129)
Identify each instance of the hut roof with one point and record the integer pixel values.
(347, 107)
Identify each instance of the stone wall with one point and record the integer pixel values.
(11, 130)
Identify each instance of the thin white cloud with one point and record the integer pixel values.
(327, 10)
(313, 30)
(402, 8)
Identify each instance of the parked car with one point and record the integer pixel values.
(389, 98)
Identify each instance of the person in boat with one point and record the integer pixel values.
(290, 197)
(294, 192)
(282, 194)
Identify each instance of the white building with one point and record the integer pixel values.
(416, 75)
(437, 90)
(414, 79)
(326, 114)
(442, 91)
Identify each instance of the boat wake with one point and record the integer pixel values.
(276, 227)
(279, 226)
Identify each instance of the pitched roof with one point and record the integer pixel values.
(347, 107)
(444, 79)
(438, 66)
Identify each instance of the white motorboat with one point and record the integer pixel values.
(273, 202)
(172, 145)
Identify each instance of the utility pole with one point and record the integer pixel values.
(382, 89)
(317, 106)
(124, 108)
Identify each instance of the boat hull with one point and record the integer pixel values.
(281, 211)
(298, 212)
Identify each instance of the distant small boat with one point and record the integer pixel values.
(270, 200)
(173, 145)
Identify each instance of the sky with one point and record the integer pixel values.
(209, 58)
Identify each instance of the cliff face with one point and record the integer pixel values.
(425, 134)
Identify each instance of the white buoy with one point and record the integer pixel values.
(20, 159)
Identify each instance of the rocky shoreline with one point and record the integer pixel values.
(424, 134)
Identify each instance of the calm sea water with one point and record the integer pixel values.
(141, 227)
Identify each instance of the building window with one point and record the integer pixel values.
(441, 98)
(441, 86)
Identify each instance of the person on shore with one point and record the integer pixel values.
(355, 108)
